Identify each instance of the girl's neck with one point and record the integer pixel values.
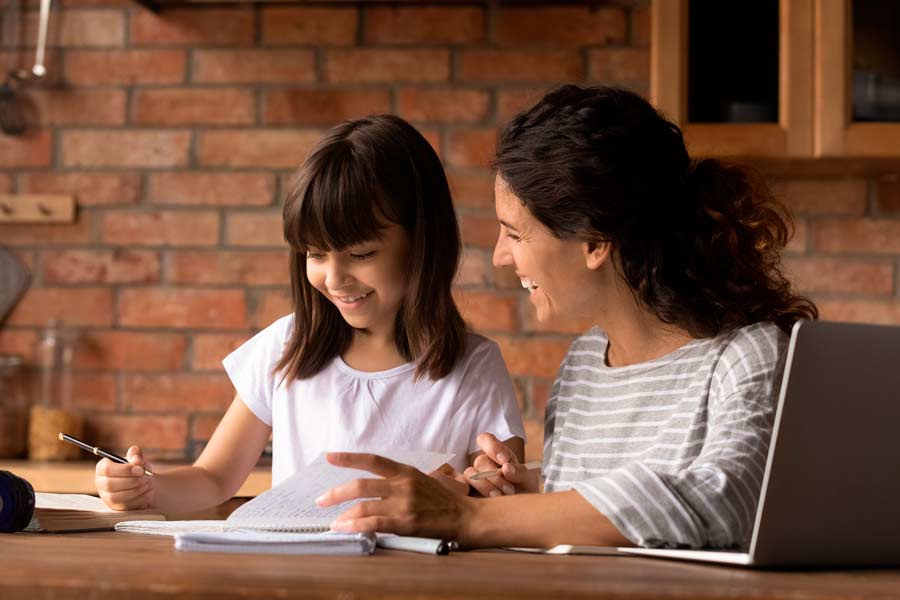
(371, 352)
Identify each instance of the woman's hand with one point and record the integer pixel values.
(125, 486)
(514, 476)
(451, 479)
(408, 502)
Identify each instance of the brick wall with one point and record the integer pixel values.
(177, 133)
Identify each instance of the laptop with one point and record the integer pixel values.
(831, 491)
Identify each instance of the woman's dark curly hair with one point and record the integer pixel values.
(698, 242)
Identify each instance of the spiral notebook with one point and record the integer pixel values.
(288, 508)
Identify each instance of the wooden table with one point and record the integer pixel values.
(118, 565)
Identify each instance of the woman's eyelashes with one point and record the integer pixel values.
(356, 255)
(362, 255)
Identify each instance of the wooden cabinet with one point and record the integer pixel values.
(811, 113)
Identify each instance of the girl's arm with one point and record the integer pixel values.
(222, 467)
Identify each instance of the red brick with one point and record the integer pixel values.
(535, 356)
(203, 426)
(471, 147)
(130, 351)
(443, 105)
(249, 268)
(24, 59)
(261, 148)
(540, 395)
(120, 432)
(564, 324)
(120, 265)
(161, 228)
(125, 67)
(640, 26)
(271, 306)
(323, 107)
(18, 341)
(488, 311)
(473, 269)
(512, 102)
(211, 188)
(78, 107)
(72, 306)
(254, 66)
(857, 235)
(174, 394)
(619, 65)
(30, 150)
(495, 66)
(425, 25)
(812, 275)
(534, 430)
(433, 137)
(479, 230)
(883, 312)
(889, 193)
(472, 189)
(78, 28)
(798, 243)
(823, 196)
(89, 3)
(264, 229)
(135, 148)
(89, 188)
(183, 106)
(193, 27)
(559, 26)
(78, 232)
(387, 66)
(211, 348)
(293, 25)
(5, 183)
(93, 393)
(179, 307)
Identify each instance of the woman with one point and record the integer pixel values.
(658, 424)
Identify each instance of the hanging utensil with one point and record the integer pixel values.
(12, 117)
(39, 70)
(14, 278)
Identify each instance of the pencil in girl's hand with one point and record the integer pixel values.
(97, 451)
(535, 464)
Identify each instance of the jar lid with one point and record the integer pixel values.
(10, 361)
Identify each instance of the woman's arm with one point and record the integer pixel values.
(412, 503)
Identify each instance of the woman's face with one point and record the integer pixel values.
(366, 282)
(554, 271)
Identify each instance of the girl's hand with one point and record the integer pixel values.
(125, 487)
(408, 501)
(451, 479)
(514, 476)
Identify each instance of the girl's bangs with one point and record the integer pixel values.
(339, 207)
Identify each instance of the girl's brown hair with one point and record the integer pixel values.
(363, 174)
(698, 242)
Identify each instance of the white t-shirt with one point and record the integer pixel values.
(342, 409)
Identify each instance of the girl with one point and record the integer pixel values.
(658, 425)
(375, 354)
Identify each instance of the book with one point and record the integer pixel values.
(275, 520)
(56, 513)
(570, 549)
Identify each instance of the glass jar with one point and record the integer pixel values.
(13, 407)
(52, 413)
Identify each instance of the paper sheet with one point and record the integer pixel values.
(70, 502)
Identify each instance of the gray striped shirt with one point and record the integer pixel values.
(671, 450)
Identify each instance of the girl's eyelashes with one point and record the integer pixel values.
(362, 255)
(512, 236)
(314, 255)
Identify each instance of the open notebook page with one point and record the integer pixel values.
(291, 505)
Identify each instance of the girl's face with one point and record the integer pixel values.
(367, 282)
(555, 272)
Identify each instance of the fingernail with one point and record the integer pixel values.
(321, 499)
(501, 458)
(508, 490)
(137, 470)
(493, 493)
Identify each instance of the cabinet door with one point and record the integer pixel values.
(790, 132)
(857, 83)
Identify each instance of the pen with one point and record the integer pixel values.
(97, 451)
(416, 544)
(535, 464)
